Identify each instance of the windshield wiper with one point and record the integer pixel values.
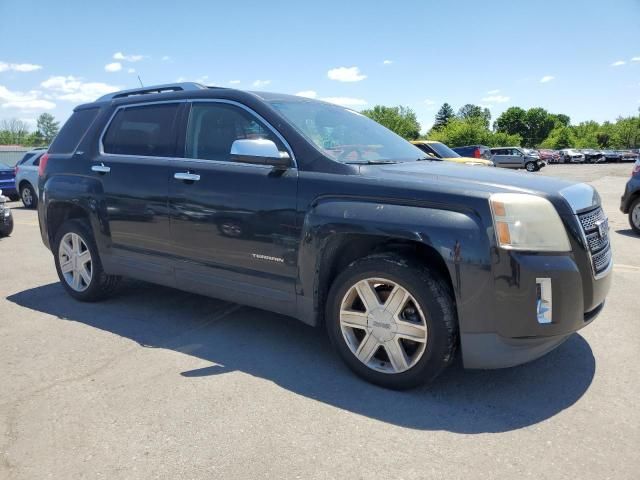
(370, 162)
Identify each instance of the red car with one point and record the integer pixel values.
(550, 156)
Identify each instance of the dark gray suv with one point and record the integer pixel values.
(630, 201)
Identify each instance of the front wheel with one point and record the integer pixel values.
(78, 263)
(634, 216)
(531, 166)
(392, 323)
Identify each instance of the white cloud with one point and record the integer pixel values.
(346, 101)
(31, 100)
(261, 83)
(234, 82)
(496, 99)
(127, 58)
(19, 67)
(635, 59)
(428, 101)
(113, 67)
(387, 62)
(346, 74)
(618, 63)
(493, 92)
(547, 78)
(131, 70)
(307, 94)
(73, 89)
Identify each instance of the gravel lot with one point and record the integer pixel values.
(157, 383)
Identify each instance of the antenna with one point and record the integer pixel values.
(140, 81)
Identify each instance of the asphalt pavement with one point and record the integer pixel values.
(158, 383)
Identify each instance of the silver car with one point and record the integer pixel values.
(516, 157)
(27, 177)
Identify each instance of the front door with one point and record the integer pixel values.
(233, 225)
(133, 168)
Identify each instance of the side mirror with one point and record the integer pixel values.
(260, 151)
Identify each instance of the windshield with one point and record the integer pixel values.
(442, 150)
(345, 135)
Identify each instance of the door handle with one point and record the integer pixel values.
(102, 168)
(186, 176)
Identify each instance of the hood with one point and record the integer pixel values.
(457, 179)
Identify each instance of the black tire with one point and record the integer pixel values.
(101, 285)
(6, 229)
(28, 196)
(635, 226)
(531, 167)
(435, 299)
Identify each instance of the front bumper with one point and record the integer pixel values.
(512, 333)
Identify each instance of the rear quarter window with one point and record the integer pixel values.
(72, 132)
(147, 131)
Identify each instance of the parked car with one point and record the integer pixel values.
(6, 218)
(612, 155)
(474, 151)
(8, 181)
(627, 156)
(441, 151)
(26, 173)
(630, 201)
(593, 156)
(571, 155)
(516, 157)
(549, 156)
(402, 260)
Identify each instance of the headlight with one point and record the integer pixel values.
(527, 222)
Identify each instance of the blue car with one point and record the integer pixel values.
(8, 181)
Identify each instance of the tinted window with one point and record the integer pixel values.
(143, 131)
(26, 157)
(72, 132)
(213, 127)
(36, 162)
(443, 151)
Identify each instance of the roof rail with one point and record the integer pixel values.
(169, 87)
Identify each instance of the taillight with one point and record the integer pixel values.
(43, 163)
(15, 170)
(476, 153)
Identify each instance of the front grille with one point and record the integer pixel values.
(596, 230)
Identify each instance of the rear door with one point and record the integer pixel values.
(132, 166)
(233, 225)
(501, 157)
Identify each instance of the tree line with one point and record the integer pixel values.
(532, 128)
(18, 132)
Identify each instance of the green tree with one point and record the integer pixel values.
(471, 131)
(512, 121)
(443, 116)
(475, 111)
(48, 127)
(401, 120)
(14, 132)
(559, 138)
(539, 124)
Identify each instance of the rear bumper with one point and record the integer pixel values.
(8, 188)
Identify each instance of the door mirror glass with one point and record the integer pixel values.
(261, 151)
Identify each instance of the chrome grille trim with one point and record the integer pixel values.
(598, 246)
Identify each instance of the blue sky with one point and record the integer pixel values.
(562, 55)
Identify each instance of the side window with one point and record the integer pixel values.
(72, 132)
(36, 162)
(147, 131)
(213, 127)
(497, 151)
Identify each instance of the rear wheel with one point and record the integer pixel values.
(78, 263)
(634, 215)
(392, 323)
(28, 196)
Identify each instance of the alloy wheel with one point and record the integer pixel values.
(27, 198)
(75, 261)
(635, 215)
(383, 325)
